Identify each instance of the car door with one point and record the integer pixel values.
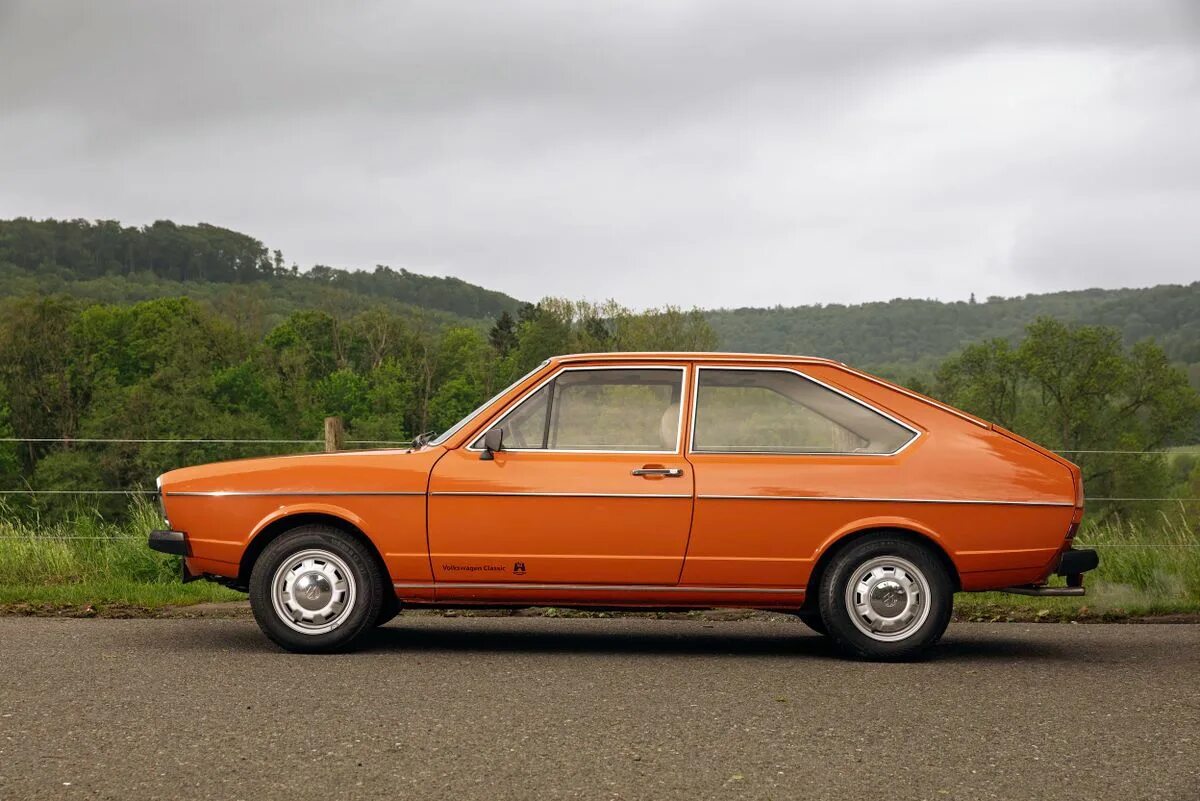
(590, 486)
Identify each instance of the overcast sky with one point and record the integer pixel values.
(692, 153)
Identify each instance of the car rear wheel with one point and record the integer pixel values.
(316, 589)
(886, 598)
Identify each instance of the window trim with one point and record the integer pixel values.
(494, 421)
(916, 433)
(483, 408)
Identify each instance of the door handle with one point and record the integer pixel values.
(670, 472)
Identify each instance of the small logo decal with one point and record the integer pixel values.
(518, 568)
(312, 592)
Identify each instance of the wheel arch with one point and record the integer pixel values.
(874, 528)
(275, 527)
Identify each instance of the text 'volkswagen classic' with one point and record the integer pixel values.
(648, 480)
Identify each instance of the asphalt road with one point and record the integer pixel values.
(517, 708)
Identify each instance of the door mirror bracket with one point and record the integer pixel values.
(493, 441)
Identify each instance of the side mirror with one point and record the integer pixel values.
(493, 441)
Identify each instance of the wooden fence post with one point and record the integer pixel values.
(335, 434)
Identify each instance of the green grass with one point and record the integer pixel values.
(1149, 568)
(110, 596)
(85, 561)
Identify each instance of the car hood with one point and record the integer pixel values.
(381, 471)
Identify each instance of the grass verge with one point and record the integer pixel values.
(109, 598)
(86, 565)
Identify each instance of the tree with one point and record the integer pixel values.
(10, 461)
(503, 336)
(41, 372)
(1078, 390)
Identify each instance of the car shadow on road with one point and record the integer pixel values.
(707, 642)
(719, 641)
(991, 643)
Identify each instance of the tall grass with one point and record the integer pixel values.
(1145, 567)
(1150, 567)
(83, 559)
(1160, 558)
(83, 548)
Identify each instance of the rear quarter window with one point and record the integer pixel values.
(781, 411)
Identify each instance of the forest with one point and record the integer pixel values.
(244, 280)
(104, 260)
(231, 344)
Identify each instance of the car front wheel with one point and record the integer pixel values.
(316, 589)
(886, 598)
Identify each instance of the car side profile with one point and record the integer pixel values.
(648, 480)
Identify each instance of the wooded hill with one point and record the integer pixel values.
(240, 277)
(106, 261)
(922, 332)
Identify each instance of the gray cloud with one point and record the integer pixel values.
(707, 153)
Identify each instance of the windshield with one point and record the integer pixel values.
(463, 422)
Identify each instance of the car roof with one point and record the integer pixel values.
(688, 356)
(758, 358)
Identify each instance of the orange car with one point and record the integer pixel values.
(648, 480)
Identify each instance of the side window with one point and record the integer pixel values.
(778, 411)
(634, 409)
(525, 426)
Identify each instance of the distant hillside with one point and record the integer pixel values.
(238, 275)
(907, 332)
(107, 261)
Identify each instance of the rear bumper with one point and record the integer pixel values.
(172, 542)
(1072, 564)
(1076, 563)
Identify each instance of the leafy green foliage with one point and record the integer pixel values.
(901, 335)
(176, 368)
(1078, 389)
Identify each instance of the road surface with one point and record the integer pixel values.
(632, 708)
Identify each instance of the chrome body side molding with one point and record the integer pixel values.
(518, 585)
(631, 495)
(487, 494)
(282, 493)
(953, 501)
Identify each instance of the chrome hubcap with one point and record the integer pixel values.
(888, 598)
(313, 591)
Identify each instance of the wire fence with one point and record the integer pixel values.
(185, 441)
(142, 539)
(408, 443)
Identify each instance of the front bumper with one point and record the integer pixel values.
(1072, 564)
(172, 542)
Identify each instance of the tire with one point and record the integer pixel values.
(343, 586)
(886, 599)
(812, 619)
(388, 609)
